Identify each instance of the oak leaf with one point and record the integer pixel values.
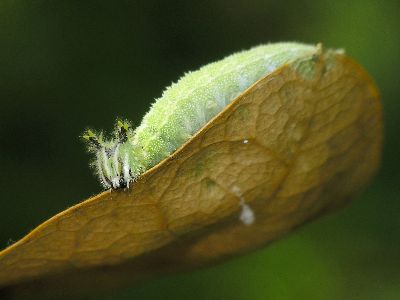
(288, 149)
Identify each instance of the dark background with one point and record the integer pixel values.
(66, 65)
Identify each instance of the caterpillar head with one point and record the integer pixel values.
(116, 160)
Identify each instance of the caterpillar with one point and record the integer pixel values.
(182, 110)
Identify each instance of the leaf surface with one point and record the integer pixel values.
(291, 147)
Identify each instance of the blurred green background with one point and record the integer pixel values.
(65, 65)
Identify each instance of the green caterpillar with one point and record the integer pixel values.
(183, 109)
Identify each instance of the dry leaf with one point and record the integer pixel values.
(286, 150)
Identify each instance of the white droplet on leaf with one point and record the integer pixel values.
(246, 215)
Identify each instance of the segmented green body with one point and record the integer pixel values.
(183, 109)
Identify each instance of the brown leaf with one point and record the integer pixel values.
(289, 147)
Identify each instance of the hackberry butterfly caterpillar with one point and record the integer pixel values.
(183, 109)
